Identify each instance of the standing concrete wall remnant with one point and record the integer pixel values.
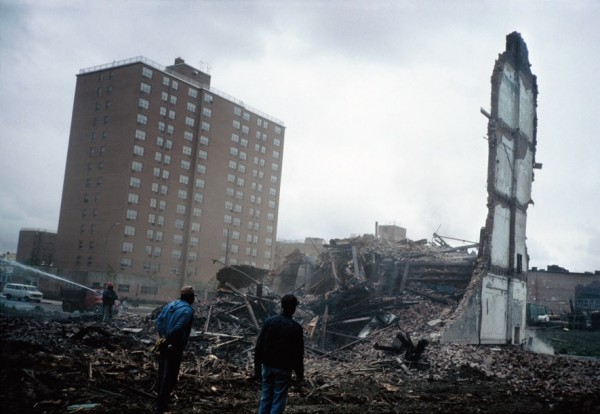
(493, 310)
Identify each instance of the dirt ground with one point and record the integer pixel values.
(56, 364)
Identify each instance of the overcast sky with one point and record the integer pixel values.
(380, 100)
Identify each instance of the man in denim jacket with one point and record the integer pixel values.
(174, 325)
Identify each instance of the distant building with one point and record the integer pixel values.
(391, 232)
(164, 174)
(36, 247)
(556, 289)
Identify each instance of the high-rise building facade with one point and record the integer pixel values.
(165, 175)
(36, 247)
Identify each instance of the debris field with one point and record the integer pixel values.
(372, 345)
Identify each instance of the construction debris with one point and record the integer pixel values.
(372, 345)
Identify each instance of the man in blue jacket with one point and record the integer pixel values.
(174, 325)
(279, 351)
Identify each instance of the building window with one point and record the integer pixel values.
(245, 129)
(277, 142)
(140, 135)
(208, 98)
(138, 150)
(166, 81)
(180, 209)
(246, 116)
(237, 111)
(177, 239)
(131, 214)
(133, 198)
(199, 183)
(201, 169)
(125, 264)
(136, 166)
(149, 290)
(145, 88)
(187, 150)
(143, 103)
(174, 85)
(127, 247)
(135, 182)
(176, 254)
(198, 197)
(191, 107)
(123, 288)
(147, 73)
(164, 96)
(203, 140)
(236, 124)
(193, 93)
(182, 194)
(188, 136)
(184, 179)
(202, 155)
(195, 226)
(142, 119)
(185, 165)
(129, 231)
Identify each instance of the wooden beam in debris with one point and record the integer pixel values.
(248, 305)
(334, 271)
(324, 327)
(357, 272)
(404, 277)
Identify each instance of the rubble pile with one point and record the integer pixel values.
(367, 349)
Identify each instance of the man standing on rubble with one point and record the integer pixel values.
(174, 325)
(279, 351)
(109, 297)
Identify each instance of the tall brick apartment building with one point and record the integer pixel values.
(163, 175)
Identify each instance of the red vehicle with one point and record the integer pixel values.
(84, 300)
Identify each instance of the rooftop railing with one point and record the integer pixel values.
(183, 78)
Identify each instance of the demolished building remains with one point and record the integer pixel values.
(493, 311)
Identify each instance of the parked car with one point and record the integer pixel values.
(22, 292)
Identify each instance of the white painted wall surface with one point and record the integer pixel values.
(494, 297)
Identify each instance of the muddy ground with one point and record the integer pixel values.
(51, 363)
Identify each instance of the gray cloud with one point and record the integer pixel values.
(381, 102)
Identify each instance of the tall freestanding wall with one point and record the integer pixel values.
(493, 309)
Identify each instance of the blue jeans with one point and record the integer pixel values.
(275, 384)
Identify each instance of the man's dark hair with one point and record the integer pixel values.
(189, 298)
(289, 303)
